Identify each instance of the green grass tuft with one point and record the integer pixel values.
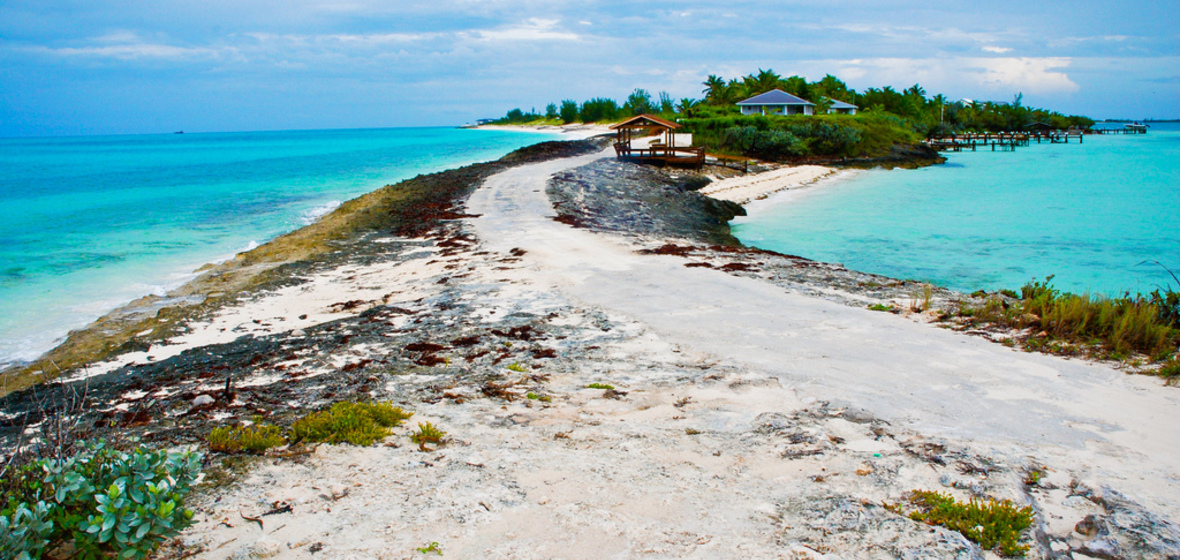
(427, 433)
(355, 423)
(600, 386)
(245, 439)
(993, 525)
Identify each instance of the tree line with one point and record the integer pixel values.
(927, 115)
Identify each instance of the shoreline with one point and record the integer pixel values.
(136, 324)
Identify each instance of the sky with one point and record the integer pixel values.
(75, 67)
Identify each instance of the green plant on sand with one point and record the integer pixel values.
(99, 502)
(993, 525)
(427, 433)
(432, 548)
(245, 439)
(352, 422)
(600, 386)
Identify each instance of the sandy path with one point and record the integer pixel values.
(1106, 426)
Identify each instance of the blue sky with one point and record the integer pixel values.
(132, 66)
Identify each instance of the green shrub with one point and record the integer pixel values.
(993, 525)
(245, 439)
(106, 502)
(355, 423)
(600, 386)
(772, 145)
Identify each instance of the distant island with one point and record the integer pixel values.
(822, 121)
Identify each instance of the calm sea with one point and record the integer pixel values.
(1088, 214)
(90, 223)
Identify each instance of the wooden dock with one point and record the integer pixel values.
(1134, 128)
(1002, 141)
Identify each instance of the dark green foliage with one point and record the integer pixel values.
(599, 109)
(355, 423)
(771, 145)
(551, 111)
(638, 103)
(568, 111)
(993, 525)
(822, 135)
(107, 502)
(245, 439)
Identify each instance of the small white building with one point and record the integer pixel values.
(776, 102)
(842, 108)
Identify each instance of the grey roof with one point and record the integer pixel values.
(837, 104)
(775, 97)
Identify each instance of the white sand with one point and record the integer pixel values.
(746, 188)
(573, 131)
(587, 477)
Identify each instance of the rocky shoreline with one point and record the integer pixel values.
(688, 454)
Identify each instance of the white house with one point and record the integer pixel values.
(776, 102)
(842, 107)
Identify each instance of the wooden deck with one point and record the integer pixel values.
(662, 155)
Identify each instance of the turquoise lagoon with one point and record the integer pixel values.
(1088, 214)
(90, 223)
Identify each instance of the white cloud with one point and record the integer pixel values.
(132, 51)
(1036, 75)
(997, 50)
(998, 74)
(533, 29)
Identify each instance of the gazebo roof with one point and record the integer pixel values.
(645, 121)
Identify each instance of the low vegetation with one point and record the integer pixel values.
(99, 502)
(427, 433)
(245, 439)
(993, 525)
(1103, 327)
(349, 422)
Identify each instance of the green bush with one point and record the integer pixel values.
(993, 525)
(245, 439)
(355, 423)
(105, 502)
(771, 145)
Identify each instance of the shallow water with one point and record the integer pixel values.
(90, 223)
(1088, 214)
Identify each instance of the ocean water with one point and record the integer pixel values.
(1087, 213)
(90, 223)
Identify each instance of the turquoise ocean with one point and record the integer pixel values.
(90, 223)
(1086, 213)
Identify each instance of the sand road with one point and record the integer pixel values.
(1117, 428)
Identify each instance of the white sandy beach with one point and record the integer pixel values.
(754, 420)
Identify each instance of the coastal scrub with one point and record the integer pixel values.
(355, 423)
(1064, 323)
(991, 524)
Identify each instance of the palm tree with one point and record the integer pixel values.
(714, 89)
(687, 106)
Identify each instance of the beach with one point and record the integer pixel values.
(755, 409)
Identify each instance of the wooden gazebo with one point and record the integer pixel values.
(662, 151)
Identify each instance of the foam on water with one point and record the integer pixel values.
(1088, 213)
(90, 223)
